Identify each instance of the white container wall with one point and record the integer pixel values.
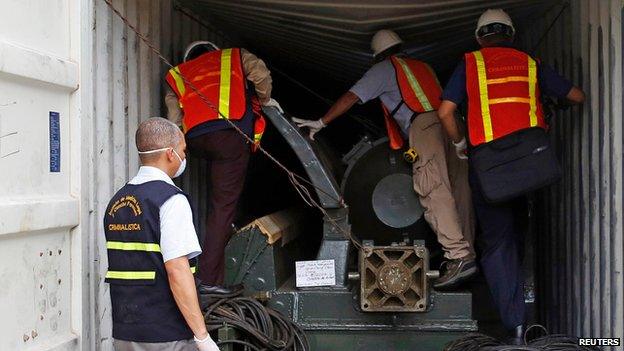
(580, 220)
(41, 242)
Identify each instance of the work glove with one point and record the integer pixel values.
(315, 126)
(460, 149)
(275, 104)
(206, 344)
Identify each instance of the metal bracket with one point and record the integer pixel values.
(334, 245)
(325, 184)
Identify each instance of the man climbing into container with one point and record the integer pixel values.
(152, 247)
(502, 87)
(410, 95)
(222, 77)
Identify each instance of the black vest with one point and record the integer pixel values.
(143, 307)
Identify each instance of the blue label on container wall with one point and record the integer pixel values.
(55, 142)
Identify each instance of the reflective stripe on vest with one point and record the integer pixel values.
(131, 275)
(118, 245)
(485, 101)
(210, 87)
(483, 93)
(137, 275)
(224, 85)
(179, 82)
(134, 246)
(532, 97)
(413, 82)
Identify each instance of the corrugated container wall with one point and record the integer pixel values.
(579, 220)
(128, 88)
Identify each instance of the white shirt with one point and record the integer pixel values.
(177, 232)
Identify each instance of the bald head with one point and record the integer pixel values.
(157, 133)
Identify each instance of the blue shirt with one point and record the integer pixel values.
(380, 82)
(550, 82)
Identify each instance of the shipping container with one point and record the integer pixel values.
(75, 81)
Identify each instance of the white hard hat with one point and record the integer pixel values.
(383, 40)
(196, 44)
(494, 16)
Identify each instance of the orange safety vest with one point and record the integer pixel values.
(503, 94)
(220, 78)
(259, 122)
(420, 91)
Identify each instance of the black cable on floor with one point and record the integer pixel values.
(261, 327)
(481, 342)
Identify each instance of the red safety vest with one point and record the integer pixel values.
(220, 78)
(503, 94)
(420, 91)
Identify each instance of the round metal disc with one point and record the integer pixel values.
(394, 278)
(394, 201)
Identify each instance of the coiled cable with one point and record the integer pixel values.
(260, 327)
(552, 342)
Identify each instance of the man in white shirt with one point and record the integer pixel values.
(152, 248)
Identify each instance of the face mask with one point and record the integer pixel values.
(182, 165)
(182, 162)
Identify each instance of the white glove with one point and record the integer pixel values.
(275, 104)
(206, 344)
(315, 126)
(460, 149)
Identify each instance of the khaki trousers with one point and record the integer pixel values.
(441, 182)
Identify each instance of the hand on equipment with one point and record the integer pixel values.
(206, 344)
(275, 104)
(460, 149)
(315, 126)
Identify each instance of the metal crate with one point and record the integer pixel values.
(394, 278)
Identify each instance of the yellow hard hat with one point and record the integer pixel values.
(492, 16)
(383, 40)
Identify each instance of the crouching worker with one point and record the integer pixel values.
(410, 95)
(152, 248)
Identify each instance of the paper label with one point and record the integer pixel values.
(315, 273)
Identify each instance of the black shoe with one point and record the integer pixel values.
(516, 336)
(455, 272)
(220, 291)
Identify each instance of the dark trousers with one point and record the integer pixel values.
(228, 157)
(501, 241)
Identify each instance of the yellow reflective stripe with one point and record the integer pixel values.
(224, 87)
(413, 82)
(483, 97)
(193, 269)
(175, 73)
(118, 245)
(507, 80)
(532, 97)
(509, 99)
(131, 275)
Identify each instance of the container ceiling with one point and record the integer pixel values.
(329, 41)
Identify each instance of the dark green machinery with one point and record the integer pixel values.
(382, 299)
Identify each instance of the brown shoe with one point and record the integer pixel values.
(455, 272)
